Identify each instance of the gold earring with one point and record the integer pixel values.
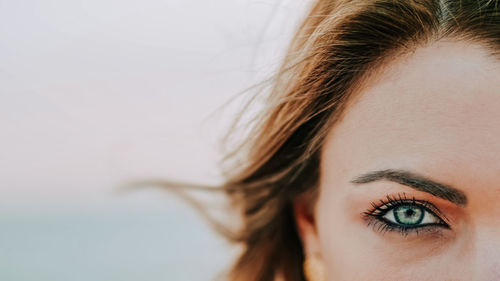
(314, 269)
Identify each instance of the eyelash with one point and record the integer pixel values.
(375, 215)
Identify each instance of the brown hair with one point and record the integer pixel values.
(338, 44)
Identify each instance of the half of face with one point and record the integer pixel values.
(410, 177)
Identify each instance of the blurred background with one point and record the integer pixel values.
(96, 93)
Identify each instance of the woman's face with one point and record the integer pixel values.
(410, 177)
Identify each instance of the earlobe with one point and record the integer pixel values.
(314, 269)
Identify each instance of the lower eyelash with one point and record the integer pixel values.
(382, 227)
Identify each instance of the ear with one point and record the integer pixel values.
(306, 225)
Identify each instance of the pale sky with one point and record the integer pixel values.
(96, 92)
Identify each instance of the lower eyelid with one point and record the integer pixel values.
(379, 225)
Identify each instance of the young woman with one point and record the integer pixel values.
(379, 155)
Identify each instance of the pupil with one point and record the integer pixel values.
(410, 212)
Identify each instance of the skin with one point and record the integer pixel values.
(434, 112)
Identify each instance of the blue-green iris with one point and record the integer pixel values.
(409, 214)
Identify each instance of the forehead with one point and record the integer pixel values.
(436, 111)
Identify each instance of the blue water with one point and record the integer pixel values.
(109, 246)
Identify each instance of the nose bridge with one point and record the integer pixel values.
(487, 252)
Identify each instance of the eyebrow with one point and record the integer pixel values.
(417, 182)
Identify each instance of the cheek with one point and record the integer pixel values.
(352, 250)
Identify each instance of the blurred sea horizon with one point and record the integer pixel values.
(169, 241)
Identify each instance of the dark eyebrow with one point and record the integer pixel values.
(417, 182)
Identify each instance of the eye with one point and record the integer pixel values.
(410, 215)
(398, 213)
